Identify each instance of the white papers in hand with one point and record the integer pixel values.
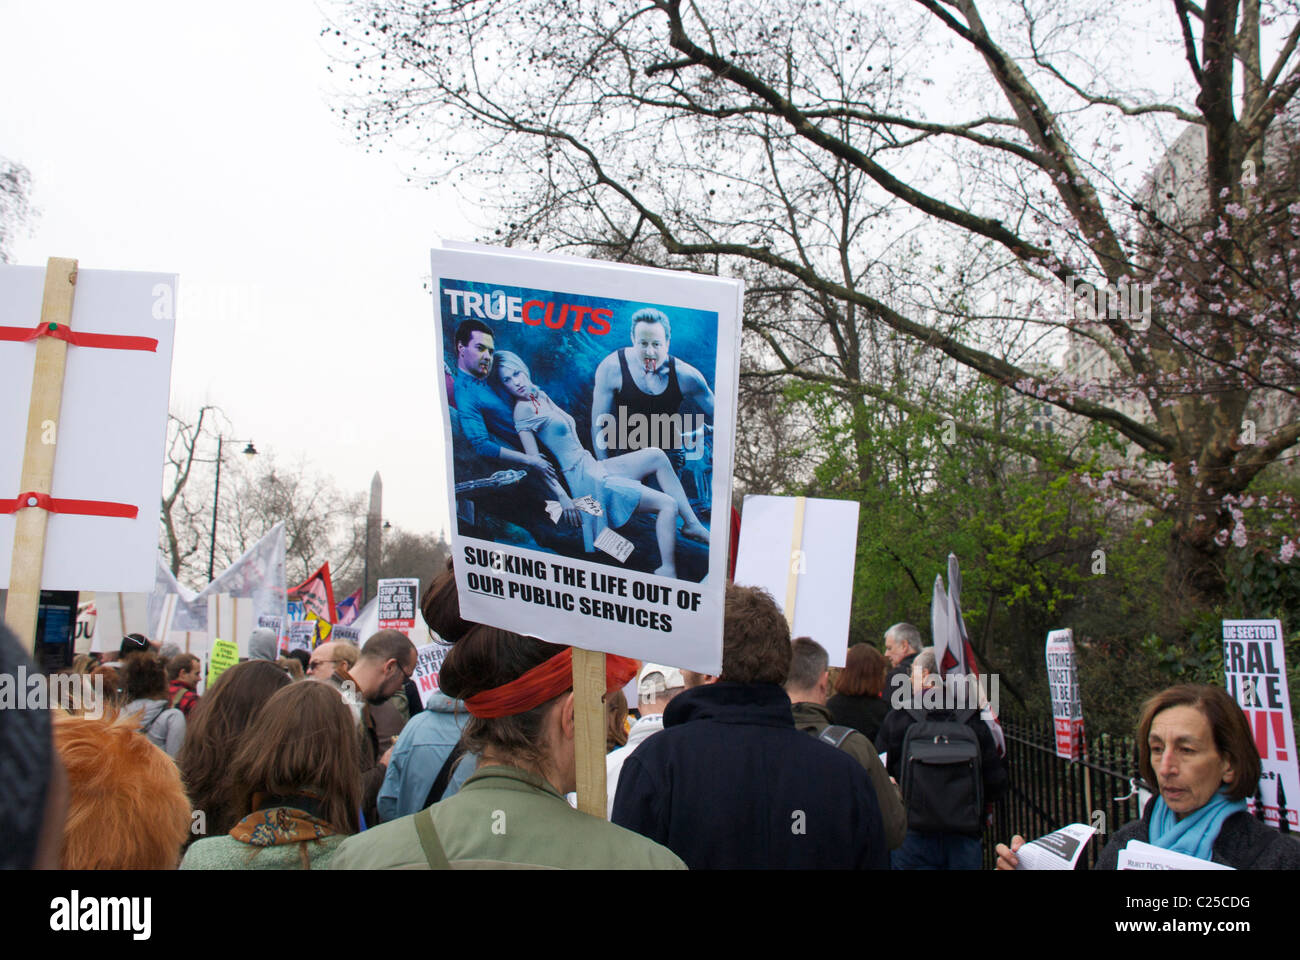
(1056, 851)
(1137, 855)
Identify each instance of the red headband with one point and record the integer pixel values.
(544, 682)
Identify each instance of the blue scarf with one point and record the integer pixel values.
(1195, 834)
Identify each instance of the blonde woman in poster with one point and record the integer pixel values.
(613, 483)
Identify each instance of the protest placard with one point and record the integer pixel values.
(802, 550)
(231, 617)
(398, 597)
(1063, 681)
(610, 392)
(302, 634)
(427, 665)
(1254, 669)
(120, 614)
(347, 633)
(276, 625)
(87, 617)
(84, 384)
(224, 655)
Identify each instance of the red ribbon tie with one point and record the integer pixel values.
(61, 331)
(87, 508)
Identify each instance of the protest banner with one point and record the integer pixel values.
(231, 617)
(276, 625)
(589, 416)
(802, 551)
(348, 633)
(84, 384)
(120, 614)
(84, 635)
(317, 593)
(302, 635)
(257, 576)
(348, 608)
(1254, 670)
(224, 655)
(1063, 682)
(427, 666)
(398, 597)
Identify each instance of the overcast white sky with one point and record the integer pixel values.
(197, 139)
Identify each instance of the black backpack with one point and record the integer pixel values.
(943, 783)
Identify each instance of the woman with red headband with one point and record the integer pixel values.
(511, 812)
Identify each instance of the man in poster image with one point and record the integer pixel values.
(486, 421)
(643, 382)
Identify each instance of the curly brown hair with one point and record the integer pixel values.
(755, 638)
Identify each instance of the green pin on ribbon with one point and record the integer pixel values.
(53, 327)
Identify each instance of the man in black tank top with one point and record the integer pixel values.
(638, 393)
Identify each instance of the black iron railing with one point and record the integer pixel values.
(1047, 792)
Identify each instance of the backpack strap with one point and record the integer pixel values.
(835, 735)
(156, 717)
(433, 852)
(444, 775)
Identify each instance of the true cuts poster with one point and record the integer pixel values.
(589, 414)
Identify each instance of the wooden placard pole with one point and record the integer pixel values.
(589, 733)
(796, 561)
(38, 453)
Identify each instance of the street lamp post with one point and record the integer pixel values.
(250, 452)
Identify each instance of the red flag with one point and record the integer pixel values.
(317, 593)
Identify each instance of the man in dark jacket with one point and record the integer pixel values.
(939, 850)
(731, 783)
(902, 644)
(807, 688)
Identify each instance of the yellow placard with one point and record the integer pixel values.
(224, 655)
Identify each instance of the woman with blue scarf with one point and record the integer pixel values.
(1195, 745)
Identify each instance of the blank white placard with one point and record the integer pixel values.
(112, 427)
(828, 553)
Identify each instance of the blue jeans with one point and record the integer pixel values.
(937, 851)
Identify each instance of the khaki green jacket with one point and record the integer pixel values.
(505, 818)
(814, 718)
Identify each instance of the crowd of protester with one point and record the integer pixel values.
(331, 760)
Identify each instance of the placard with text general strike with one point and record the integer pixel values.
(589, 410)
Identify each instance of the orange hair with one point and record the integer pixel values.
(127, 809)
